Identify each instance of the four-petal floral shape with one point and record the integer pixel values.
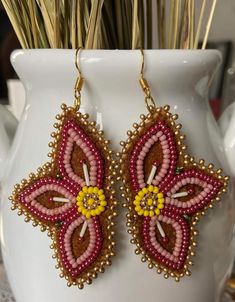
(78, 216)
(166, 192)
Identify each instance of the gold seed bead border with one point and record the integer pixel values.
(132, 218)
(46, 169)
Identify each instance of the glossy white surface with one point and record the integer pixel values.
(227, 125)
(8, 125)
(112, 92)
(16, 95)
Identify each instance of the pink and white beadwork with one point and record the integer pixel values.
(73, 134)
(50, 199)
(187, 189)
(77, 265)
(176, 259)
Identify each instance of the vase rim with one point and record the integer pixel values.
(61, 61)
(104, 49)
(175, 51)
(164, 55)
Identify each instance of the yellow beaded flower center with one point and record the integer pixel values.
(149, 201)
(91, 201)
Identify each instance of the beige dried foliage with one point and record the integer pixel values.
(108, 24)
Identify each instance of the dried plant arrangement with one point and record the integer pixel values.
(108, 24)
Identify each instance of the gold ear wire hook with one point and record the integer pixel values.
(149, 101)
(142, 63)
(77, 60)
(79, 81)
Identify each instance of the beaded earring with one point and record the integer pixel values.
(71, 197)
(166, 191)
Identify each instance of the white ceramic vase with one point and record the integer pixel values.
(112, 95)
(8, 125)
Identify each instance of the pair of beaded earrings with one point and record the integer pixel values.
(166, 191)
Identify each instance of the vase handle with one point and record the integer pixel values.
(8, 125)
(227, 126)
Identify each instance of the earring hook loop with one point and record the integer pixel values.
(79, 81)
(149, 101)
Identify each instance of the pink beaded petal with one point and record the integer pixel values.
(73, 135)
(159, 134)
(201, 188)
(75, 265)
(166, 190)
(34, 198)
(171, 257)
(78, 219)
